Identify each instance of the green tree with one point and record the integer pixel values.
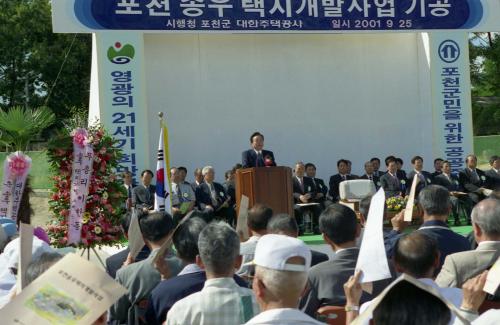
(20, 125)
(485, 78)
(32, 56)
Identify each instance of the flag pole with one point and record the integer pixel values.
(166, 158)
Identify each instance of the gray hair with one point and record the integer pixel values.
(282, 224)
(486, 214)
(219, 246)
(42, 264)
(435, 200)
(206, 169)
(282, 283)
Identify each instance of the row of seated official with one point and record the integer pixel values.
(209, 197)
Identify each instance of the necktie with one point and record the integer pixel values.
(129, 191)
(301, 184)
(179, 193)
(213, 194)
(475, 176)
(344, 177)
(260, 159)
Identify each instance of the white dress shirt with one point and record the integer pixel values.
(283, 316)
(247, 252)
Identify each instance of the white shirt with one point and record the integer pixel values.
(247, 252)
(283, 316)
(221, 302)
(454, 295)
(490, 317)
(190, 268)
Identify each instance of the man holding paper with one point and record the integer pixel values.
(460, 267)
(417, 255)
(141, 278)
(340, 228)
(435, 202)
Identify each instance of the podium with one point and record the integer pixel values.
(271, 186)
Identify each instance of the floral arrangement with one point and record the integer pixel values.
(396, 203)
(104, 206)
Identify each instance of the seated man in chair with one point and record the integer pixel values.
(304, 191)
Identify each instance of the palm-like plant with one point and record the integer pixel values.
(19, 125)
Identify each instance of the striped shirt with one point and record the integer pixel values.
(220, 302)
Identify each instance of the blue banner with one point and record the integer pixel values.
(451, 97)
(279, 15)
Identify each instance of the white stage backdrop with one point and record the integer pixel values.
(316, 98)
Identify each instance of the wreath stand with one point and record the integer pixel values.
(88, 249)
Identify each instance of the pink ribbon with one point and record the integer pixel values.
(83, 157)
(15, 172)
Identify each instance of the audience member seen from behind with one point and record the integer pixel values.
(435, 202)
(141, 278)
(189, 280)
(221, 301)
(340, 228)
(283, 224)
(281, 265)
(397, 222)
(417, 255)
(460, 267)
(258, 217)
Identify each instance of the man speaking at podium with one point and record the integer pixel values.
(257, 157)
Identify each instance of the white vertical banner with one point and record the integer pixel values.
(451, 97)
(122, 96)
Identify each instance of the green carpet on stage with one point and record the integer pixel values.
(318, 239)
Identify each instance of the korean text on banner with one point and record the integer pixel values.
(15, 173)
(83, 158)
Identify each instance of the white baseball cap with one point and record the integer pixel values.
(273, 252)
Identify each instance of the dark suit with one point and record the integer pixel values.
(391, 185)
(471, 185)
(318, 257)
(335, 180)
(494, 179)
(425, 179)
(379, 173)
(375, 180)
(436, 173)
(448, 241)
(308, 187)
(249, 158)
(326, 282)
(401, 175)
(194, 186)
(168, 292)
(457, 202)
(320, 186)
(230, 188)
(143, 197)
(204, 199)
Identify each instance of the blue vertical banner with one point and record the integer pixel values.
(451, 97)
(122, 98)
